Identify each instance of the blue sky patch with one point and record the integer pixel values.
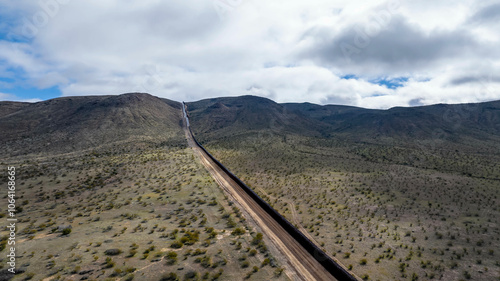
(393, 83)
(30, 93)
(349, 76)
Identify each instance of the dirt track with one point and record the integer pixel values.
(306, 267)
(298, 224)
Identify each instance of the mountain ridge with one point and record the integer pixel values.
(75, 123)
(450, 122)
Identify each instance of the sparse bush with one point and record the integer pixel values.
(131, 253)
(171, 276)
(113, 252)
(191, 275)
(171, 257)
(109, 263)
(278, 271)
(238, 231)
(116, 272)
(176, 245)
(257, 239)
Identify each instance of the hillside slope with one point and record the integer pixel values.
(74, 123)
(481, 120)
(462, 123)
(463, 138)
(223, 117)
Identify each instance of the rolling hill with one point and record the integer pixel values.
(74, 123)
(461, 123)
(480, 120)
(223, 117)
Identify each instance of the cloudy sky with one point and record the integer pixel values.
(376, 55)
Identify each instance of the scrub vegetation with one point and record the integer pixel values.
(380, 191)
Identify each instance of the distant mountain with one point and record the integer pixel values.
(74, 123)
(216, 118)
(456, 123)
(222, 117)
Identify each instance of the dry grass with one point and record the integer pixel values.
(386, 221)
(136, 201)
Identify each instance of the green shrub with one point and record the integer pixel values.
(245, 264)
(176, 245)
(238, 231)
(171, 257)
(109, 262)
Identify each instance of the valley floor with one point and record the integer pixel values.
(385, 221)
(134, 213)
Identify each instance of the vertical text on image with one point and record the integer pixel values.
(11, 218)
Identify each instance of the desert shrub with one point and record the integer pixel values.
(116, 272)
(109, 262)
(113, 252)
(191, 275)
(206, 261)
(198, 252)
(171, 257)
(257, 239)
(176, 245)
(238, 231)
(190, 237)
(217, 275)
(278, 271)
(169, 277)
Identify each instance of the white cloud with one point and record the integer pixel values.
(5, 97)
(10, 97)
(182, 50)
